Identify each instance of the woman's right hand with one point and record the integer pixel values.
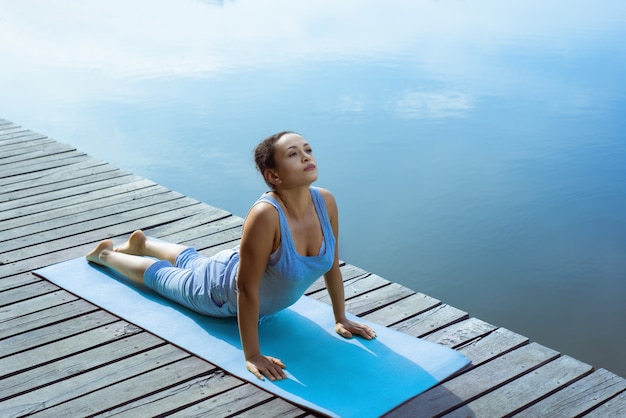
(267, 366)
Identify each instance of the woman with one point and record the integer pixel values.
(289, 240)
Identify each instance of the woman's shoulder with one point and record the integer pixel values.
(326, 194)
(329, 200)
(262, 221)
(264, 211)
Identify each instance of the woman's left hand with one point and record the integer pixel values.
(347, 329)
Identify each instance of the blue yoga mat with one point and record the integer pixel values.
(326, 373)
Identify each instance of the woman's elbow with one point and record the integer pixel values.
(247, 294)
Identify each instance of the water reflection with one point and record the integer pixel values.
(148, 39)
(475, 147)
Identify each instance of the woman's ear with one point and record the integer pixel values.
(271, 177)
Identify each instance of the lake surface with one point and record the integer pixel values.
(477, 149)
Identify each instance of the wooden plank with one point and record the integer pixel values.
(85, 166)
(354, 287)
(474, 383)
(229, 403)
(35, 304)
(116, 224)
(33, 154)
(30, 214)
(222, 241)
(276, 408)
(101, 177)
(38, 181)
(13, 150)
(579, 397)
(14, 135)
(56, 191)
(349, 272)
(362, 284)
(26, 265)
(9, 129)
(371, 301)
(209, 233)
(226, 236)
(65, 390)
(41, 162)
(431, 320)
(33, 149)
(66, 217)
(461, 333)
(33, 161)
(39, 337)
(176, 397)
(492, 345)
(133, 388)
(210, 220)
(81, 243)
(70, 344)
(18, 138)
(58, 178)
(9, 132)
(13, 281)
(527, 389)
(6, 124)
(614, 408)
(403, 309)
(21, 293)
(75, 364)
(49, 219)
(176, 230)
(41, 317)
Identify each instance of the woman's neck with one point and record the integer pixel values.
(296, 202)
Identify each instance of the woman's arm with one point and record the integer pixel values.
(257, 241)
(334, 281)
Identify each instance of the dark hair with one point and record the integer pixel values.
(264, 153)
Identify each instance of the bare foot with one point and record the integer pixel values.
(135, 245)
(94, 255)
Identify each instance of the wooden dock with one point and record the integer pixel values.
(63, 356)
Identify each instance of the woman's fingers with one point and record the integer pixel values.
(270, 367)
(255, 372)
(349, 328)
(277, 362)
(274, 371)
(342, 330)
(367, 332)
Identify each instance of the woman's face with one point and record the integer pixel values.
(295, 163)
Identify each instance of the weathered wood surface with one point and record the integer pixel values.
(63, 356)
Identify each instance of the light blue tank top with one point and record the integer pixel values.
(288, 274)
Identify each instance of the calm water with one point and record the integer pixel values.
(476, 148)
